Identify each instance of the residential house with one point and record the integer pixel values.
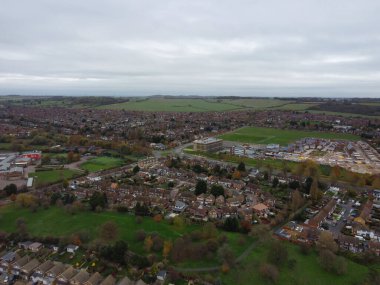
(209, 200)
(95, 279)
(65, 276)
(52, 274)
(126, 281)
(39, 272)
(7, 260)
(27, 270)
(179, 207)
(261, 210)
(109, 280)
(80, 278)
(35, 246)
(71, 248)
(220, 201)
(18, 264)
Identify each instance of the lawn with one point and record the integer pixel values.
(259, 135)
(101, 163)
(53, 176)
(306, 271)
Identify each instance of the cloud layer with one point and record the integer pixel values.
(205, 47)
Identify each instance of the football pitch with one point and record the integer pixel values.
(258, 135)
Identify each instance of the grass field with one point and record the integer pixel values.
(101, 163)
(203, 105)
(52, 176)
(56, 222)
(259, 135)
(306, 271)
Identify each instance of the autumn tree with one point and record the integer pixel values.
(167, 248)
(314, 190)
(148, 243)
(26, 200)
(326, 242)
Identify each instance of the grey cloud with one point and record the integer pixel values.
(214, 47)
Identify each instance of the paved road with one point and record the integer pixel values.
(340, 224)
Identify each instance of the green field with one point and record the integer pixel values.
(53, 176)
(306, 270)
(202, 105)
(56, 222)
(101, 163)
(259, 135)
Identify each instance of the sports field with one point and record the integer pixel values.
(101, 163)
(258, 135)
(53, 176)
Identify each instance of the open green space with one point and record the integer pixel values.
(101, 163)
(259, 135)
(53, 176)
(55, 222)
(307, 270)
(173, 105)
(205, 105)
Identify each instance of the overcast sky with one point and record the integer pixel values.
(145, 47)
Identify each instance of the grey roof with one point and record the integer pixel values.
(30, 265)
(81, 277)
(110, 280)
(125, 281)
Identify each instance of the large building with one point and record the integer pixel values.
(208, 145)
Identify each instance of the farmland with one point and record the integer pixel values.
(258, 135)
(101, 163)
(201, 105)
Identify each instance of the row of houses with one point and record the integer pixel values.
(26, 268)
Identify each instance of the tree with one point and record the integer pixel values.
(226, 254)
(98, 199)
(327, 259)
(278, 253)
(269, 272)
(262, 232)
(136, 169)
(241, 167)
(335, 173)
(297, 200)
(209, 231)
(167, 248)
(178, 222)
(236, 175)
(217, 190)
(275, 182)
(116, 252)
(231, 224)
(314, 190)
(326, 242)
(26, 200)
(10, 189)
(200, 187)
(109, 231)
(148, 243)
